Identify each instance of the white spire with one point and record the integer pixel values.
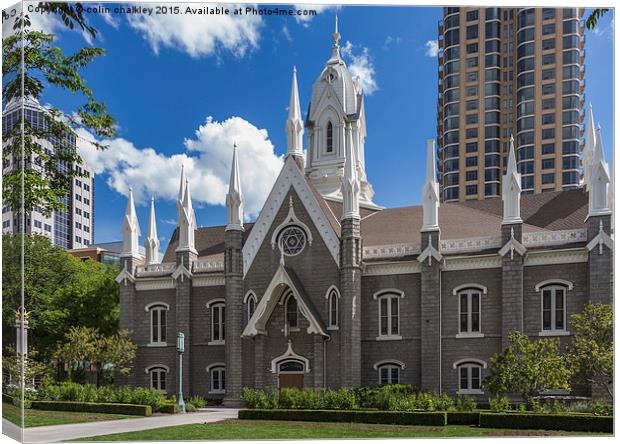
(350, 180)
(430, 191)
(294, 124)
(131, 229)
(588, 150)
(598, 197)
(151, 243)
(187, 219)
(336, 46)
(511, 189)
(234, 198)
(182, 184)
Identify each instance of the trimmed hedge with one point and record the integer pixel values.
(569, 423)
(94, 407)
(360, 416)
(169, 408)
(463, 418)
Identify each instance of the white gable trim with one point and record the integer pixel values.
(280, 283)
(599, 240)
(290, 176)
(291, 219)
(511, 246)
(289, 354)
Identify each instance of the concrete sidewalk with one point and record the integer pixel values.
(75, 431)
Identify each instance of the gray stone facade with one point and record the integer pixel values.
(429, 349)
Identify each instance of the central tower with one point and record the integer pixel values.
(336, 121)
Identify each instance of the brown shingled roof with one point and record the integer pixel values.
(562, 210)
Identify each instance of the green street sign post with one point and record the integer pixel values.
(180, 350)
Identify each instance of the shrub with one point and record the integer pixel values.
(465, 403)
(197, 401)
(499, 404)
(169, 407)
(145, 396)
(536, 406)
(257, 399)
(93, 407)
(463, 418)
(603, 409)
(343, 399)
(570, 423)
(360, 416)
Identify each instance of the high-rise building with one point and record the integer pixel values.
(505, 72)
(72, 228)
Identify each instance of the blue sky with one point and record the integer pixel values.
(161, 93)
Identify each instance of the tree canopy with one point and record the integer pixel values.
(60, 291)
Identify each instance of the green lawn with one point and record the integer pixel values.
(36, 418)
(251, 429)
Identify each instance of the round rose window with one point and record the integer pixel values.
(292, 240)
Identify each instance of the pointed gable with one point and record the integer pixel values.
(290, 177)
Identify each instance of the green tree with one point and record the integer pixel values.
(592, 351)
(32, 62)
(59, 291)
(528, 367)
(594, 17)
(33, 367)
(85, 348)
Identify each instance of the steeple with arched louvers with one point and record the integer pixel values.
(336, 106)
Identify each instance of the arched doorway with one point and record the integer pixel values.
(291, 374)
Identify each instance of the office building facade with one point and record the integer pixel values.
(509, 72)
(71, 228)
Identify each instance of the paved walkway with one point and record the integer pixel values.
(75, 431)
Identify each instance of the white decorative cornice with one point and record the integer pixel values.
(155, 284)
(558, 237)
(430, 253)
(472, 262)
(290, 176)
(392, 268)
(448, 246)
(556, 257)
(388, 251)
(202, 266)
(600, 239)
(163, 269)
(290, 219)
(378, 364)
(511, 246)
(212, 280)
(480, 287)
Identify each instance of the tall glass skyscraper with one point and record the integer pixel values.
(503, 72)
(72, 228)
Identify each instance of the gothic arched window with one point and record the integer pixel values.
(291, 311)
(330, 138)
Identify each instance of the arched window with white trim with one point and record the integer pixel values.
(158, 314)
(333, 299)
(158, 375)
(469, 373)
(217, 376)
(290, 307)
(469, 306)
(217, 308)
(389, 371)
(553, 306)
(389, 313)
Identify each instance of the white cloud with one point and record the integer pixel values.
(206, 160)
(389, 41)
(306, 19)
(360, 65)
(110, 19)
(432, 48)
(287, 34)
(199, 35)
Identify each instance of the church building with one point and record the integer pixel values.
(328, 289)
